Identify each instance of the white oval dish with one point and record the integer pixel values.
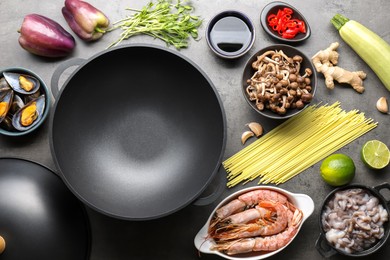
(301, 201)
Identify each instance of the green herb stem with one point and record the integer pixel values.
(172, 23)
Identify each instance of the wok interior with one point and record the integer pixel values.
(138, 132)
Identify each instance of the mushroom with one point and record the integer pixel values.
(288, 59)
(275, 98)
(297, 59)
(283, 91)
(267, 59)
(292, 77)
(306, 97)
(292, 92)
(285, 103)
(281, 110)
(260, 59)
(294, 85)
(260, 105)
(308, 72)
(302, 79)
(276, 56)
(299, 104)
(270, 69)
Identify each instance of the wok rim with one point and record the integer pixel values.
(165, 212)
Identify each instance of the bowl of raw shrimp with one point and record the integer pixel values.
(254, 223)
(354, 221)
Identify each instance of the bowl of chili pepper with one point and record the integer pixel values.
(284, 23)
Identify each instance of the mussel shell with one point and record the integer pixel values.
(40, 109)
(13, 80)
(6, 96)
(7, 124)
(17, 103)
(28, 98)
(3, 85)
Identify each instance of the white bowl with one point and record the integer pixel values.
(301, 201)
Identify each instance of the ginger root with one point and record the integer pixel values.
(325, 62)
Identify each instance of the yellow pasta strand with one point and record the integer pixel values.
(296, 144)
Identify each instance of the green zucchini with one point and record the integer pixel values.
(368, 45)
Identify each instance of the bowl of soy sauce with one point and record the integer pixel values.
(230, 34)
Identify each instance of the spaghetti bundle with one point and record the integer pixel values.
(297, 144)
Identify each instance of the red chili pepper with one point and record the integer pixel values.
(302, 27)
(282, 23)
(290, 33)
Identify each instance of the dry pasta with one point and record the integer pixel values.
(296, 144)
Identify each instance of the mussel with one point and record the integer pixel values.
(17, 103)
(30, 114)
(3, 85)
(21, 83)
(7, 124)
(6, 97)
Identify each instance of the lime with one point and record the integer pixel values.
(337, 169)
(375, 154)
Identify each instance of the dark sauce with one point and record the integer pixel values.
(230, 34)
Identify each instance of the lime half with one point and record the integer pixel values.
(375, 154)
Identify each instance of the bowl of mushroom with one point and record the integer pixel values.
(279, 81)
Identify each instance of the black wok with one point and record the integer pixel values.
(137, 132)
(39, 217)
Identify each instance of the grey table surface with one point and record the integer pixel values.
(172, 237)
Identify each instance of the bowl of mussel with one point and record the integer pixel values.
(354, 221)
(279, 81)
(254, 223)
(24, 101)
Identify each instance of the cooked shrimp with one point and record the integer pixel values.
(263, 226)
(267, 243)
(246, 201)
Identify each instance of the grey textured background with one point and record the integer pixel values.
(172, 237)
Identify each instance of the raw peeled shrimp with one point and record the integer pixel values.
(267, 243)
(262, 226)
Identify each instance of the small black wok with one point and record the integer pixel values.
(137, 132)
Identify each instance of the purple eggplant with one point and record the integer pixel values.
(85, 20)
(44, 37)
